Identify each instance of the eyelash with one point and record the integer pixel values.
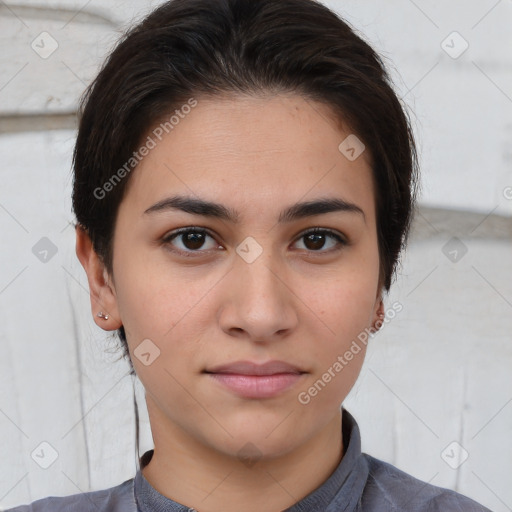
(167, 239)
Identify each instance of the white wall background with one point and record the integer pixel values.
(439, 372)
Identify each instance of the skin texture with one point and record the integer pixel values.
(299, 302)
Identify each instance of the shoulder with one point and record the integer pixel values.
(114, 499)
(404, 493)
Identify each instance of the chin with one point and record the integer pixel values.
(261, 435)
(253, 448)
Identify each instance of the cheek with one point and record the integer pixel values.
(337, 358)
(172, 312)
(346, 301)
(353, 306)
(349, 313)
(151, 299)
(346, 309)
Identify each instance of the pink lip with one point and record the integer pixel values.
(252, 380)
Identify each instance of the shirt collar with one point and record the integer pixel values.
(340, 492)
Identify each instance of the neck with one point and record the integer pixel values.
(197, 476)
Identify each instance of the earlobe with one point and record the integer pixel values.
(378, 320)
(102, 296)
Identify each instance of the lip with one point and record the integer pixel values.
(250, 368)
(254, 380)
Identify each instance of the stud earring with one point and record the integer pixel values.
(101, 315)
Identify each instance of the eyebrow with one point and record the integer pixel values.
(297, 211)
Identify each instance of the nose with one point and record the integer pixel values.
(259, 304)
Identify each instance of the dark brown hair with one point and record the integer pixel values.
(198, 48)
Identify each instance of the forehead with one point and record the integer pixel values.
(251, 151)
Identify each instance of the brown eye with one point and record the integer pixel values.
(189, 240)
(317, 239)
(193, 240)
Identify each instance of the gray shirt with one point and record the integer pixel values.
(360, 483)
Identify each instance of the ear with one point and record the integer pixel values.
(102, 292)
(378, 313)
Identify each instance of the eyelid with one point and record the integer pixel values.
(333, 232)
(169, 237)
(340, 238)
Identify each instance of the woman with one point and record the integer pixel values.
(244, 183)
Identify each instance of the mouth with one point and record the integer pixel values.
(252, 380)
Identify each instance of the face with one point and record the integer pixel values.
(247, 280)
